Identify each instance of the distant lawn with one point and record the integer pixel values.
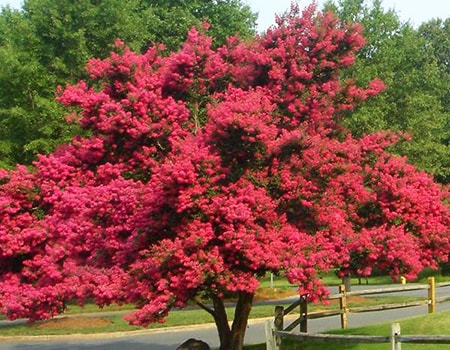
(432, 324)
(427, 272)
(331, 279)
(84, 323)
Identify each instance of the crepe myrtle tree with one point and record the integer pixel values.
(204, 170)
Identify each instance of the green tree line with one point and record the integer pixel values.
(48, 42)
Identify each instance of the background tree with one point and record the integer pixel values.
(27, 105)
(416, 98)
(205, 169)
(437, 34)
(68, 33)
(48, 43)
(226, 17)
(437, 37)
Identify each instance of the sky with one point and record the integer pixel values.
(415, 11)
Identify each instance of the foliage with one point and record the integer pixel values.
(412, 65)
(30, 118)
(437, 34)
(207, 168)
(49, 42)
(227, 18)
(69, 33)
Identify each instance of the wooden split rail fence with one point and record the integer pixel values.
(395, 338)
(275, 328)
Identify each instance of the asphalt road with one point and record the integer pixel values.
(169, 339)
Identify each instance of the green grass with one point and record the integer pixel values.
(330, 279)
(117, 325)
(176, 318)
(196, 316)
(74, 309)
(277, 281)
(433, 324)
(438, 276)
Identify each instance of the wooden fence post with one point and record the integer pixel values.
(431, 295)
(279, 323)
(343, 306)
(304, 314)
(271, 343)
(395, 330)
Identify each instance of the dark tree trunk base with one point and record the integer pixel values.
(233, 338)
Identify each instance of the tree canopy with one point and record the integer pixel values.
(202, 170)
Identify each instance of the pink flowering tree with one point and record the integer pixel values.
(208, 168)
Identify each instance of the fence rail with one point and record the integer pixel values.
(387, 306)
(379, 290)
(423, 339)
(273, 338)
(275, 329)
(335, 338)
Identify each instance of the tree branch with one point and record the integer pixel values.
(206, 308)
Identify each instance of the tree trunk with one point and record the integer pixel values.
(232, 338)
(241, 313)
(221, 320)
(347, 281)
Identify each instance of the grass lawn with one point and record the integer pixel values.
(78, 320)
(432, 324)
(329, 279)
